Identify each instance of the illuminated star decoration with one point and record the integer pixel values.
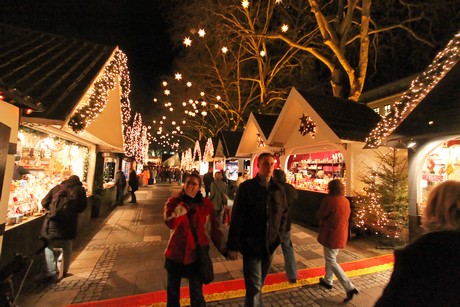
(187, 42)
(260, 141)
(178, 76)
(307, 125)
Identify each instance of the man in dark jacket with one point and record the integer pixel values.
(257, 226)
(59, 232)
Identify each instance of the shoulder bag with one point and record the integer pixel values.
(205, 267)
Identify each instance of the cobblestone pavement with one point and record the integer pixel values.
(121, 254)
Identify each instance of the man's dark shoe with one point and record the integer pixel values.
(322, 283)
(350, 295)
(292, 281)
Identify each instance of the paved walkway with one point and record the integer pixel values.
(121, 254)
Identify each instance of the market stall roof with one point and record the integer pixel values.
(311, 119)
(429, 108)
(228, 143)
(58, 72)
(255, 134)
(54, 70)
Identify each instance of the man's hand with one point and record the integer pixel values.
(232, 255)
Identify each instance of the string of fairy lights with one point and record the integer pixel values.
(418, 90)
(192, 107)
(136, 137)
(116, 69)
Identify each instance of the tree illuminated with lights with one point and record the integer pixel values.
(246, 55)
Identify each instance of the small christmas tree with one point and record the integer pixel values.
(382, 206)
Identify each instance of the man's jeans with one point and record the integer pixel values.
(255, 270)
(289, 258)
(53, 256)
(333, 268)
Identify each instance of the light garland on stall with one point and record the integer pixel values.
(420, 87)
(137, 140)
(197, 151)
(117, 69)
(208, 150)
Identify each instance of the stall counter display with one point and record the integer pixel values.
(313, 171)
(25, 198)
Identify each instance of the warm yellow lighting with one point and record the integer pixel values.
(284, 28)
(187, 42)
(178, 76)
(245, 4)
(224, 49)
(201, 33)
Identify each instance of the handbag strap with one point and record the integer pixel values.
(193, 229)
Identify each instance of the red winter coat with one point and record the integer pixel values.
(333, 216)
(181, 246)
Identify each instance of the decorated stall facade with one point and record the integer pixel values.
(321, 138)
(426, 120)
(83, 88)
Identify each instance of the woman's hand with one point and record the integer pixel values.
(180, 210)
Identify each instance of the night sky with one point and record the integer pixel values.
(136, 26)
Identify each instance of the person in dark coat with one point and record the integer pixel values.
(133, 185)
(257, 226)
(426, 271)
(120, 183)
(333, 216)
(60, 233)
(288, 250)
(208, 178)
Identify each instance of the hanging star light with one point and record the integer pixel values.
(167, 92)
(201, 33)
(307, 125)
(245, 4)
(284, 28)
(278, 1)
(187, 42)
(178, 76)
(224, 49)
(260, 141)
(189, 84)
(262, 53)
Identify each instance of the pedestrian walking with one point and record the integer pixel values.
(219, 195)
(426, 271)
(286, 245)
(64, 202)
(258, 222)
(133, 185)
(120, 183)
(188, 206)
(208, 178)
(333, 216)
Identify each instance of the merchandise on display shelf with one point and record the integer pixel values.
(313, 171)
(42, 161)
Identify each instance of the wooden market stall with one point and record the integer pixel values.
(320, 138)
(426, 120)
(83, 88)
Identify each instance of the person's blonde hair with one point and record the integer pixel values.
(442, 211)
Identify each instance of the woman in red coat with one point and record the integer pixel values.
(181, 255)
(333, 216)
